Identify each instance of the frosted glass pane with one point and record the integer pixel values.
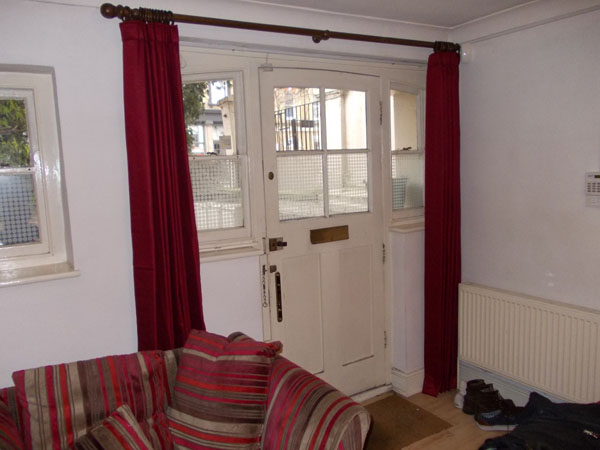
(407, 180)
(300, 186)
(348, 183)
(297, 119)
(217, 192)
(346, 119)
(18, 211)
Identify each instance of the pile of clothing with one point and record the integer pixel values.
(540, 425)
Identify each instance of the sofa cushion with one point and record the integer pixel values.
(10, 439)
(221, 391)
(61, 403)
(119, 431)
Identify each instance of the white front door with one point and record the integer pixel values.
(322, 174)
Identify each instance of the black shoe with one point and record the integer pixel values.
(504, 419)
(481, 398)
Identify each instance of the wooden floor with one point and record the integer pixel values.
(463, 435)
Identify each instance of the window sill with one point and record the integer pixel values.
(231, 251)
(36, 274)
(408, 225)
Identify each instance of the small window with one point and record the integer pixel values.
(407, 152)
(32, 222)
(217, 155)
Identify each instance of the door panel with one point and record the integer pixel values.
(321, 156)
(356, 304)
(301, 304)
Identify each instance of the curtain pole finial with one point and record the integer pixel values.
(441, 46)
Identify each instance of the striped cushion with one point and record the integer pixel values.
(305, 413)
(61, 403)
(220, 392)
(119, 431)
(9, 434)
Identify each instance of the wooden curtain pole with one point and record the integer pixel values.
(111, 11)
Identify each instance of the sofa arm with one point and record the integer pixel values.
(10, 439)
(304, 412)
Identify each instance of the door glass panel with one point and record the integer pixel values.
(18, 210)
(348, 183)
(297, 119)
(346, 115)
(300, 186)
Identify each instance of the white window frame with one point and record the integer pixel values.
(418, 213)
(51, 257)
(226, 240)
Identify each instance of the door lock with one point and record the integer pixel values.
(276, 243)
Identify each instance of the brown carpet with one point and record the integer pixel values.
(398, 423)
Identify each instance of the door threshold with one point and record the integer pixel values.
(371, 393)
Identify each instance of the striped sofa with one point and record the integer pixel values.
(302, 411)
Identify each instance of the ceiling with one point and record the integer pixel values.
(442, 13)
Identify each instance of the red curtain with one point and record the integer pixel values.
(166, 264)
(442, 222)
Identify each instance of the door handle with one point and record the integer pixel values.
(276, 243)
(278, 294)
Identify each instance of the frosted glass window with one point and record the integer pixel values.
(300, 187)
(348, 183)
(18, 211)
(217, 193)
(34, 230)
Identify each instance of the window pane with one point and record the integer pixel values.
(346, 119)
(217, 192)
(348, 183)
(407, 180)
(18, 211)
(297, 119)
(14, 143)
(210, 117)
(300, 186)
(403, 108)
(407, 159)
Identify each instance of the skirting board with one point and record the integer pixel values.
(508, 388)
(407, 384)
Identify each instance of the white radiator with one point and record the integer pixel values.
(547, 345)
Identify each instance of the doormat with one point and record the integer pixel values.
(398, 423)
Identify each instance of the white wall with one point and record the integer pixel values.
(530, 121)
(94, 314)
